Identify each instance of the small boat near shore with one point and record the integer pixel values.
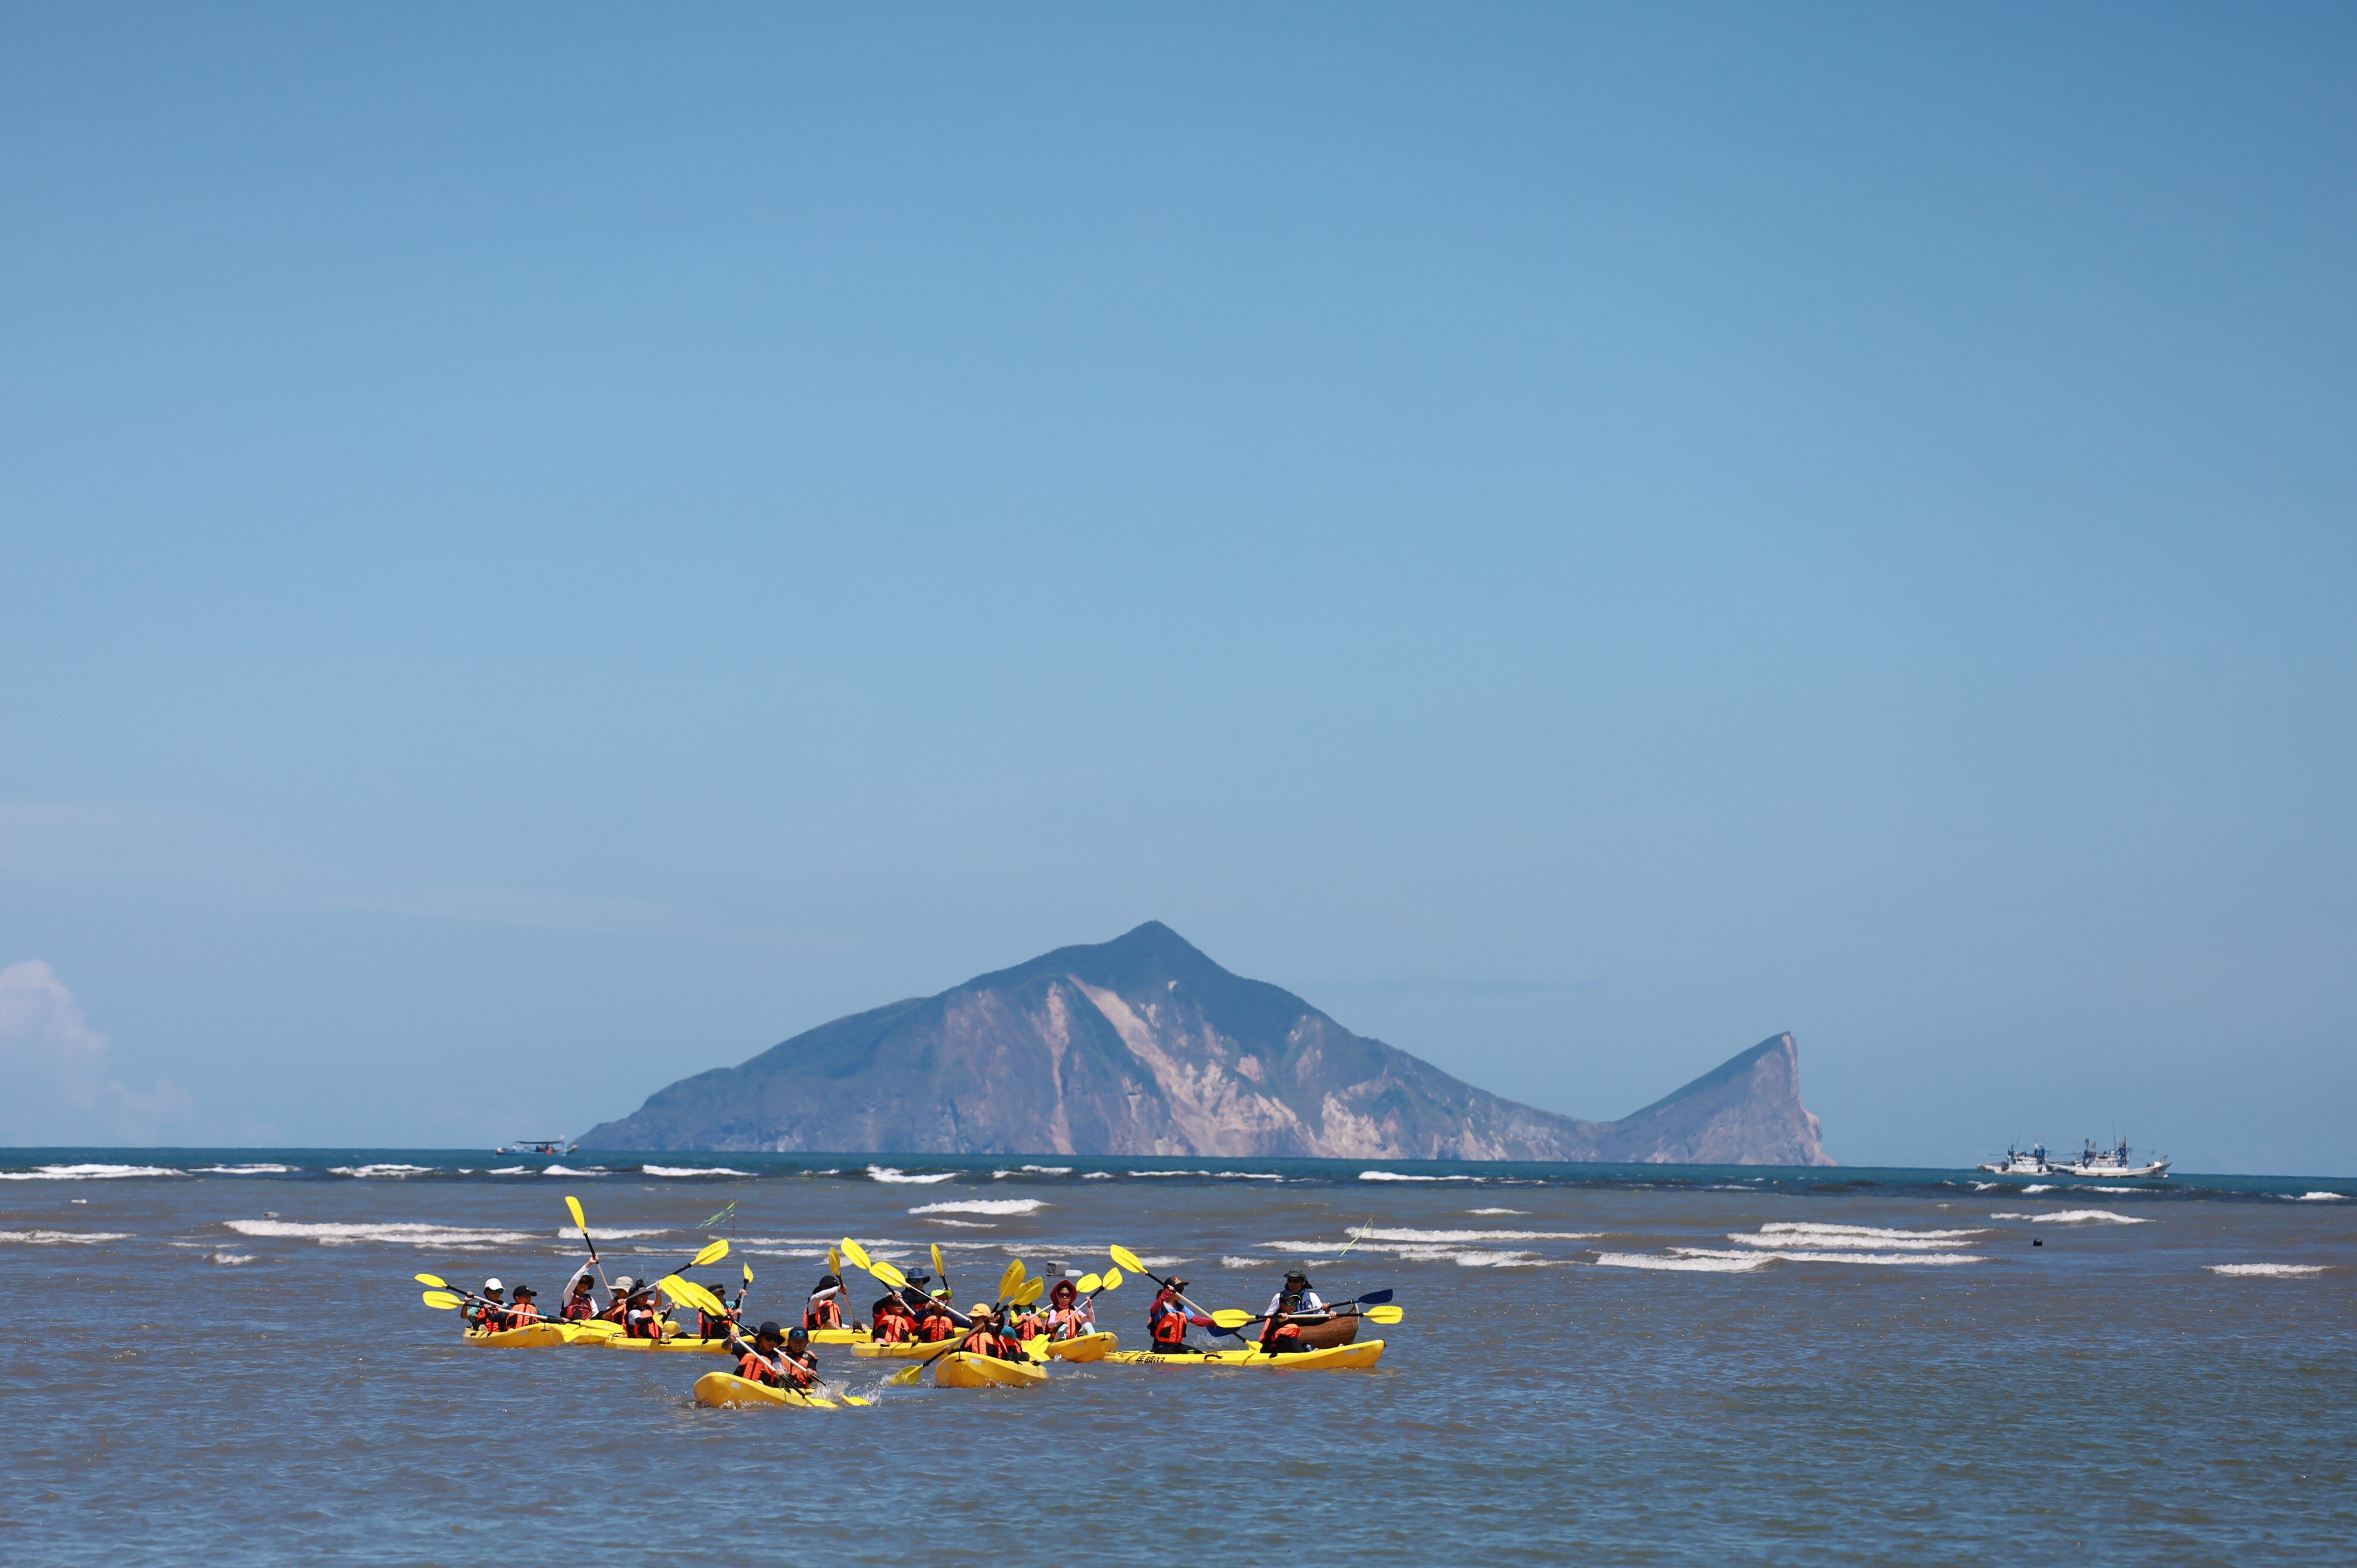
(2017, 1162)
(2112, 1165)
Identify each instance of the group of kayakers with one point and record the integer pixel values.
(908, 1313)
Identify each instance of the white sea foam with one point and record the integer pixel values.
(1691, 1263)
(68, 1238)
(1858, 1237)
(568, 1170)
(1497, 1211)
(415, 1235)
(1393, 1175)
(1165, 1173)
(392, 1170)
(1983, 1185)
(603, 1234)
(1364, 1234)
(89, 1173)
(1247, 1175)
(1806, 1228)
(2141, 1191)
(243, 1170)
(1468, 1258)
(2039, 1186)
(1242, 1263)
(2267, 1270)
(982, 1205)
(2316, 1197)
(1815, 1255)
(691, 1170)
(893, 1174)
(2076, 1217)
(960, 1224)
(1162, 1263)
(232, 1260)
(508, 1170)
(1032, 1170)
(1096, 1175)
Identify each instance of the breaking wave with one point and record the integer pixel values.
(1688, 1262)
(89, 1173)
(1859, 1238)
(2076, 1217)
(57, 1238)
(894, 1174)
(2315, 1196)
(244, 1170)
(1814, 1255)
(415, 1235)
(1364, 1234)
(2267, 1270)
(394, 1170)
(1394, 1175)
(982, 1205)
(1497, 1211)
(690, 1170)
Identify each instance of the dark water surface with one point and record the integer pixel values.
(1600, 1365)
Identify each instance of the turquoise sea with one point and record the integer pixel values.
(222, 1358)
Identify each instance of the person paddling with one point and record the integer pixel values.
(641, 1318)
(988, 1336)
(580, 1297)
(526, 1309)
(617, 1303)
(775, 1359)
(1281, 1335)
(1167, 1320)
(715, 1326)
(490, 1314)
(1070, 1313)
(893, 1325)
(824, 1308)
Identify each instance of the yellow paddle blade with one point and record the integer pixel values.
(940, 1268)
(1127, 1258)
(1011, 1281)
(907, 1374)
(1086, 1284)
(573, 1205)
(833, 1261)
(1232, 1318)
(443, 1301)
(886, 1273)
(436, 1280)
(855, 1398)
(748, 1274)
(1028, 1292)
(687, 1292)
(1383, 1314)
(712, 1254)
(1037, 1349)
(857, 1254)
(1112, 1279)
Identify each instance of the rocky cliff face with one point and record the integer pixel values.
(1143, 1046)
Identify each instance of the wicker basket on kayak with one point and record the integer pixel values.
(1321, 1334)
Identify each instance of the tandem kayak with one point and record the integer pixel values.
(724, 1389)
(963, 1369)
(530, 1336)
(1335, 1358)
(678, 1342)
(910, 1351)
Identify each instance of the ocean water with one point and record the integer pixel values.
(222, 1357)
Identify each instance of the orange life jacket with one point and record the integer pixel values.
(937, 1326)
(892, 1328)
(756, 1368)
(824, 1312)
(522, 1313)
(642, 1324)
(580, 1309)
(1170, 1325)
(491, 1318)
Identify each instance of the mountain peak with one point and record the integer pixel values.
(1143, 1044)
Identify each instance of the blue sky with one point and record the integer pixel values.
(546, 554)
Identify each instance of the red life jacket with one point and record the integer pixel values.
(1170, 1325)
(824, 1312)
(642, 1325)
(580, 1309)
(937, 1326)
(711, 1327)
(892, 1329)
(490, 1318)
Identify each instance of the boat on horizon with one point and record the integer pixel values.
(2017, 1163)
(2113, 1163)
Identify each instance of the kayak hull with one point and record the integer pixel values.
(725, 1391)
(1334, 1359)
(530, 1336)
(1084, 1347)
(687, 1342)
(959, 1369)
(914, 1350)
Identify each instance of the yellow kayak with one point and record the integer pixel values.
(960, 1369)
(840, 1337)
(914, 1350)
(1338, 1358)
(724, 1389)
(1086, 1347)
(677, 1342)
(530, 1336)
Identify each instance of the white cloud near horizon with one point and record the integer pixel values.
(64, 1088)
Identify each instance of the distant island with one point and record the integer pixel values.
(1145, 1045)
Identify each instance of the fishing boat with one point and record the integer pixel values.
(2033, 1163)
(2112, 1163)
(544, 1146)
